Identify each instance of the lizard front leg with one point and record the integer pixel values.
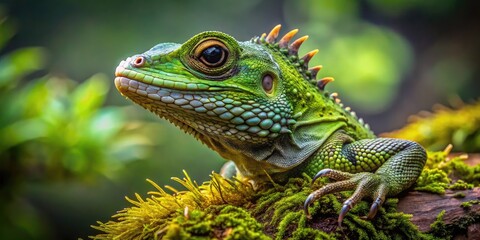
(372, 167)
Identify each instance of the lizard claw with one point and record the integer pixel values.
(321, 173)
(334, 174)
(364, 184)
(346, 207)
(375, 206)
(307, 203)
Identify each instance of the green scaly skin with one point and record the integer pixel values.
(259, 105)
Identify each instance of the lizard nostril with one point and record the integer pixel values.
(138, 62)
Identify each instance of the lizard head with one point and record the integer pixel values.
(242, 99)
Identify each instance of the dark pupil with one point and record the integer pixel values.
(213, 55)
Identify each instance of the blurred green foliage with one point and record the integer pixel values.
(54, 129)
(58, 138)
(429, 7)
(367, 60)
(435, 130)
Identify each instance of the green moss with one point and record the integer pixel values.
(432, 180)
(290, 219)
(226, 222)
(441, 173)
(441, 230)
(243, 225)
(202, 212)
(460, 185)
(469, 204)
(232, 209)
(175, 231)
(438, 228)
(458, 169)
(310, 233)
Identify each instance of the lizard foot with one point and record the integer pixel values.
(364, 184)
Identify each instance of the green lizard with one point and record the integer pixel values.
(258, 104)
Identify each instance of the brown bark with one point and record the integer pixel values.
(425, 207)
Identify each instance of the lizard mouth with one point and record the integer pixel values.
(135, 84)
(167, 81)
(171, 91)
(148, 95)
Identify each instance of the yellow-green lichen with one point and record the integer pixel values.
(434, 131)
(160, 215)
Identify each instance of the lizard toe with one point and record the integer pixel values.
(329, 188)
(332, 174)
(347, 205)
(381, 194)
(365, 185)
(310, 199)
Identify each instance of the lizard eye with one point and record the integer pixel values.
(214, 56)
(211, 53)
(211, 57)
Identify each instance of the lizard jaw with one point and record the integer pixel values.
(135, 91)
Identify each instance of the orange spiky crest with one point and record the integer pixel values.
(290, 51)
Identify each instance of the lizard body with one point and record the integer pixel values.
(259, 105)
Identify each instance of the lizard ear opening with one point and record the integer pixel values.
(268, 82)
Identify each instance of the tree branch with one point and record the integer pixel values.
(425, 207)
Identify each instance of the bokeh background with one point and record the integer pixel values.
(71, 147)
